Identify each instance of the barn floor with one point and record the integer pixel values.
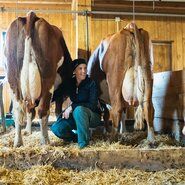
(130, 162)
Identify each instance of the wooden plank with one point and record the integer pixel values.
(169, 83)
(170, 107)
(169, 94)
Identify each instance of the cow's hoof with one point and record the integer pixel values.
(114, 139)
(26, 132)
(18, 144)
(153, 145)
(44, 141)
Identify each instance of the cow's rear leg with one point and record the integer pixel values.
(43, 113)
(116, 113)
(149, 116)
(30, 115)
(122, 123)
(18, 113)
(28, 130)
(44, 130)
(116, 117)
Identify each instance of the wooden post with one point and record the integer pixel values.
(83, 27)
(2, 108)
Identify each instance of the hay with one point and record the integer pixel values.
(36, 162)
(47, 175)
(128, 140)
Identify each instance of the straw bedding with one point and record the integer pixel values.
(46, 174)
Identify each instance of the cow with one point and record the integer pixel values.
(37, 63)
(122, 67)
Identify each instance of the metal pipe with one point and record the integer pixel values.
(138, 14)
(117, 20)
(97, 12)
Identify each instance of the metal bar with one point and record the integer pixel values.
(97, 12)
(138, 14)
(2, 109)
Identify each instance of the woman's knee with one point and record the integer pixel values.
(55, 127)
(80, 110)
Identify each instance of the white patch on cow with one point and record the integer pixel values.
(18, 114)
(52, 89)
(29, 123)
(102, 50)
(151, 136)
(34, 81)
(122, 123)
(183, 130)
(58, 79)
(25, 69)
(60, 62)
(129, 86)
(30, 76)
(44, 129)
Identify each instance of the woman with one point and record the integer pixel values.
(83, 111)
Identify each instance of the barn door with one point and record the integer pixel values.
(162, 51)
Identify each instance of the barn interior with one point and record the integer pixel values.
(84, 24)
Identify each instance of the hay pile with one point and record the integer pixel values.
(46, 174)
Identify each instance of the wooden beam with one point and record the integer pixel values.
(140, 7)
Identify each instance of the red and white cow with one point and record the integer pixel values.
(37, 62)
(122, 66)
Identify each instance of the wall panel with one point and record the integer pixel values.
(159, 28)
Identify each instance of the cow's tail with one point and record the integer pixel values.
(139, 114)
(30, 76)
(30, 21)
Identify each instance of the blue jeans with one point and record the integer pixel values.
(81, 120)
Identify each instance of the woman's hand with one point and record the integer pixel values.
(67, 112)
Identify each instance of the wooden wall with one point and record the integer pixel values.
(159, 28)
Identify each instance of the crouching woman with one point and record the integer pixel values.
(83, 112)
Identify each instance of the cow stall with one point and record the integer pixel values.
(129, 161)
(169, 103)
(63, 163)
(130, 157)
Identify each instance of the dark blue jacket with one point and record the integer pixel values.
(85, 94)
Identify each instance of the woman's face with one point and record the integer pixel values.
(81, 72)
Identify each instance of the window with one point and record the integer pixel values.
(2, 44)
